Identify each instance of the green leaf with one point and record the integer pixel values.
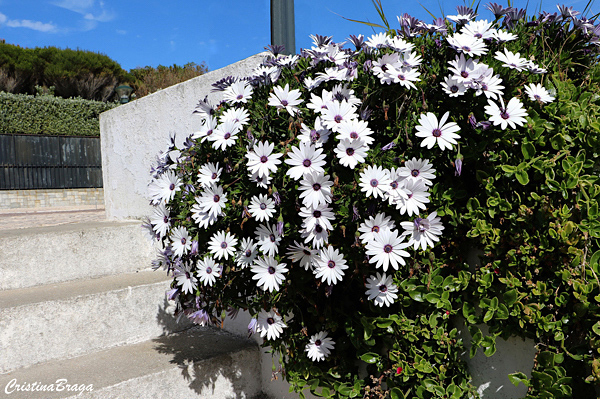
(596, 328)
(369, 357)
(510, 297)
(509, 168)
(528, 150)
(517, 378)
(396, 393)
(522, 177)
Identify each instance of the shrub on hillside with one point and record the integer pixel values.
(338, 195)
(148, 80)
(25, 114)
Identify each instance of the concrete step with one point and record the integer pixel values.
(53, 254)
(65, 320)
(202, 362)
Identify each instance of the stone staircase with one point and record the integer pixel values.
(82, 315)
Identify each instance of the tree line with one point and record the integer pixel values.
(71, 73)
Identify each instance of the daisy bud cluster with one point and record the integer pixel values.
(325, 187)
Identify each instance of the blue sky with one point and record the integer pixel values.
(136, 33)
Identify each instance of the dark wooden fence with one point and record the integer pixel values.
(38, 162)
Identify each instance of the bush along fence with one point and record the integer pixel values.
(337, 194)
(49, 162)
(49, 115)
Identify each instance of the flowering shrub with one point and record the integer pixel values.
(338, 195)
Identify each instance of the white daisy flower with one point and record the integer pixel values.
(373, 180)
(400, 45)
(262, 207)
(209, 174)
(208, 270)
(163, 189)
(261, 181)
(463, 68)
(206, 130)
(355, 129)
(395, 188)
(351, 152)
(317, 136)
(343, 92)
(434, 132)
(487, 83)
(225, 135)
(319, 103)
(481, 29)
(330, 266)
(418, 169)
(387, 249)
(511, 115)
(336, 113)
(423, 232)
(268, 239)
(180, 241)
(247, 252)
(222, 244)
(261, 159)
(404, 77)
(373, 226)
(381, 290)
(185, 278)
(303, 254)
(270, 325)
(237, 115)
(320, 214)
(315, 189)
(160, 220)
(417, 198)
(534, 68)
(382, 65)
(202, 219)
(537, 92)
(511, 60)
(212, 201)
(503, 36)
(305, 159)
(238, 92)
(465, 43)
(269, 273)
(378, 40)
(317, 235)
(453, 87)
(410, 59)
(284, 98)
(319, 347)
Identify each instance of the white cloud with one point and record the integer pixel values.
(26, 23)
(78, 6)
(88, 9)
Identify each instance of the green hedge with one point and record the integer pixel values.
(50, 115)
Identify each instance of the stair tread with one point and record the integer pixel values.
(113, 366)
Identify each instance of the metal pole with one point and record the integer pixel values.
(282, 25)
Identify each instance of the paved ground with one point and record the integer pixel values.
(21, 218)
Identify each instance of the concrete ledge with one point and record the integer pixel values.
(53, 254)
(65, 320)
(198, 363)
(15, 199)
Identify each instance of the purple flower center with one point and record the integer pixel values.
(331, 264)
(316, 186)
(317, 214)
(388, 248)
(183, 241)
(383, 288)
(306, 163)
(374, 183)
(271, 270)
(272, 237)
(415, 172)
(504, 114)
(478, 35)
(375, 229)
(318, 342)
(466, 49)
(270, 321)
(248, 253)
(338, 118)
(264, 159)
(350, 151)
(209, 132)
(284, 103)
(166, 219)
(224, 244)
(464, 74)
(239, 97)
(436, 132)
(216, 198)
(354, 135)
(208, 270)
(213, 176)
(306, 252)
(172, 186)
(537, 97)
(318, 228)
(263, 206)
(454, 89)
(227, 135)
(401, 77)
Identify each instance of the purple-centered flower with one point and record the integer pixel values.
(275, 49)
(200, 317)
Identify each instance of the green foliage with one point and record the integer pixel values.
(50, 115)
(147, 80)
(525, 205)
(73, 73)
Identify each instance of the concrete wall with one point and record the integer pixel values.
(15, 199)
(134, 133)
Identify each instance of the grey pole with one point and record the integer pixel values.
(282, 25)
